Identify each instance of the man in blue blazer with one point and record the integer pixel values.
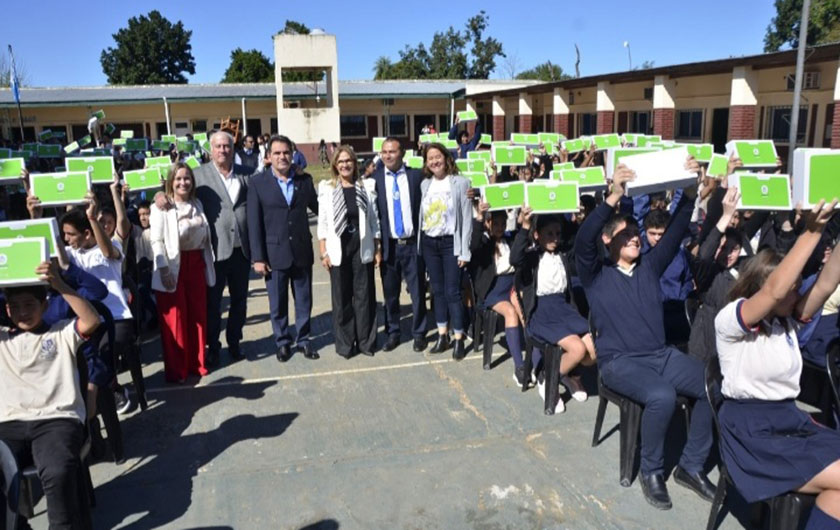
(398, 196)
(281, 243)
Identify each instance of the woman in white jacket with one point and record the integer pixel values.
(348, 232)
(183, 269)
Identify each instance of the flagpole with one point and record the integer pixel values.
(15, 83)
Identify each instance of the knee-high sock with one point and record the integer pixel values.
(514, 343)
(536, 357)
(819, 520)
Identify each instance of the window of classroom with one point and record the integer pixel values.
(778, 124)
(395, 125)
(690, 124)
(353, 126)
(639, 122)
(588, 124)
(199, 126)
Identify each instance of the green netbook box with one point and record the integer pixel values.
(19, 258)
(101, 167)
(450, 144)
(485, 139)
(477, 179)
(762, 191)
(577, 145)
(642, 140)
(10, 170)
(511, 155)
(753, 153)
(126, 134)
(71, 147)
(377, 143)
(564, 165)
(630, 138)
(614, 155)
(136, 144)
(532, 140)
(552, 196)
(504, 196)
(46, 227)
(414, 162)
(587, 178)
(163, 161)
(718, 166)
(550, 138)
(816, 176)
(143, 179)
(160, 145)
(487, 156)
(169, 138)
(606, 141)
(200, 137)
(424, 139)
(466, 164)
(467, 115)
(193, 162)
(49, 151)
(70, 187)
(701, 152)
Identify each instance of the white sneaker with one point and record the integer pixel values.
(574, 386)
(541, 387)
(560, 407)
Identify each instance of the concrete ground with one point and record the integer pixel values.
(402, 440)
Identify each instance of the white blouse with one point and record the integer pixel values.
(192, 228)
(551, 274)
(755, 365)
(503, 265)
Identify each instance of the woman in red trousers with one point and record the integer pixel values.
(183, 268)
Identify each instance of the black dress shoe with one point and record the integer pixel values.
(235, 353)
(653, 486)
(696, 482)
(392, 343)
(459, 351)
(420, 344)
(308, 352)
(284, 353)
(211, 359)
(441, 344)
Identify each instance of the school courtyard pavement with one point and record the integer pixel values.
(402, 440)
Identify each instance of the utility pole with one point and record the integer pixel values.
(797, 82)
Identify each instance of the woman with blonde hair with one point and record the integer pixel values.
(183, 269)
(348, 233)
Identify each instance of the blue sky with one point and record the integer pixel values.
(60, 42)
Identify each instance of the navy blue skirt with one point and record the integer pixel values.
(772, 447)
(554, 319)
(499, 291)
(824, 333)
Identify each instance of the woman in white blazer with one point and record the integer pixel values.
(348, 232)
(183, 269)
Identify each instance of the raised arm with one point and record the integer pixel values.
(782, 279)
(123, 229)
(102, 240)
(826, 283)
(518, 250)
(712, 242)
(663, 254)
(476, 137)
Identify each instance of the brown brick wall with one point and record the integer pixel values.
(835, 127)
(663, 123)
(498, 128)
(526, 123)
(742, 122)
(605, 121)
(561, 125)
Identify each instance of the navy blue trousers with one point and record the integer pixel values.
(445, 277)
(277, 285)
(654, 379)
(403, 263)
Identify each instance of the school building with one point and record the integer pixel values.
(710, 101)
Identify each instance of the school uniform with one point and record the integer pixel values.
(446, 230)
(769, 446)
(633, 358)
(816, 336)
(349, 224)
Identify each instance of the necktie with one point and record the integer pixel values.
(398, 216)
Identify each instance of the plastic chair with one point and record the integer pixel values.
(784, 510)
(832, 365)
(106, 405)
(816, 389)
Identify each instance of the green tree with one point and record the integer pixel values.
(150, 50)
(447, 57)
(823, 24)
(646, 65)
(294, 27)
(546, 71)
(249, 66)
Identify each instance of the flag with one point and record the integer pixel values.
(14, 80)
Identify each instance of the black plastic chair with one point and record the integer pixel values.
(784, 510)
(106, 405)
(816, 389)
(832, 365)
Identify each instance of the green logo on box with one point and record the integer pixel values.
(824, 180)
(504, 196)
(766, 192)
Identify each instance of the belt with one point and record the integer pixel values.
(405, 240)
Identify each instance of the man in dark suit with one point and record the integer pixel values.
(398, 193)
(222, 188)
(281, 243)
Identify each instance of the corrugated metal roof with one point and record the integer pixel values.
(138, 93)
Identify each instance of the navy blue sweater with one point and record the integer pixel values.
(626, 311)
(463, 149)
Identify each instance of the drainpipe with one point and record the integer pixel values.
(244, 119)
(166, 110)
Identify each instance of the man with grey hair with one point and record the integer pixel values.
(222, 188)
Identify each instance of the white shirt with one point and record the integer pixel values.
(503, 265)
(754, 365)
(109, 271)
(405, 201)
(230, 182)
(551, 274)
(437, 209)
(38, 374)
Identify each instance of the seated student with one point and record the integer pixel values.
(769, 446)
(546, 297)
(42, 412)
(493, 279)
(90, 249)
(676, 282)
(633, 358)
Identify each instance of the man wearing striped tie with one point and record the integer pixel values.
(281, 243)
(398, 193)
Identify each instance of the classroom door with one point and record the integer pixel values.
(720, 129)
